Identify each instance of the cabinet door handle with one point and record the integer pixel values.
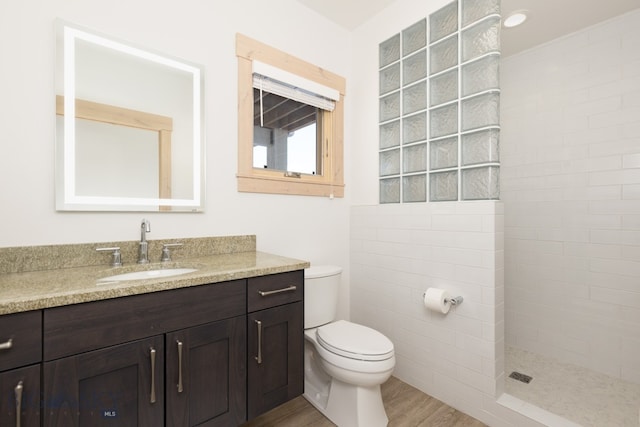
(18, 391)
(277, 291)
(259, 356)
(152, 353)
(179, 366)
(7, 344)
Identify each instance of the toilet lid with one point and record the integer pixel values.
(354, 341)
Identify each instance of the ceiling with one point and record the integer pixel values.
(548, 19)
(347, 13)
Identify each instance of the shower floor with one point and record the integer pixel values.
(577, 394)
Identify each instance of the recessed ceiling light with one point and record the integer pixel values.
(515, 18)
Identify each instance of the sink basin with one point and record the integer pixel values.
(148, 274)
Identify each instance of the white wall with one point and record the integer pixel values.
(570, 152)
(310, 228)
(397, 252)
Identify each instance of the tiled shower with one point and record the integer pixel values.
(570, 164)
(564, 283)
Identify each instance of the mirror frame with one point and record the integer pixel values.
(66, 197)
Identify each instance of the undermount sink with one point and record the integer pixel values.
(148, 274)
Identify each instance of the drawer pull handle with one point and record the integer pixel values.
(277, 291)
(259, 356)
(179, 366)
(152, 353)
(7, 344)
(18, 391)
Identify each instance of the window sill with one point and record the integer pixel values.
(286, 185)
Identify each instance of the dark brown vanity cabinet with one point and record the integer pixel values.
(120, 385)
(206, 375)
(20, 354)
(20, 391)
(118, 362)
(211, 355)
(276, 342)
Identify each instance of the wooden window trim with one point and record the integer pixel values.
(254, 180)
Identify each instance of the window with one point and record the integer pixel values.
(280, 99)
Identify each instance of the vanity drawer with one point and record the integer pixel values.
(89, 326)
(20, 339)
(275, 289)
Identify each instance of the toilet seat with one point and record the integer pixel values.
(354, 341)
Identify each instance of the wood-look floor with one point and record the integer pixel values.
(406, 406)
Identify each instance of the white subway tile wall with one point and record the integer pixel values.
(570, 182)
(397, 252)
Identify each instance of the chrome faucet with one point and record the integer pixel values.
(145, 227)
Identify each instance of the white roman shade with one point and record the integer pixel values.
(280, 82)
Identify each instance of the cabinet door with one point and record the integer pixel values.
(121, 385)
(20, 388)
(275, 357)
(20, 339)
(206, 374)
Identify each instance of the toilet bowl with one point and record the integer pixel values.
(348, 362)
(345, 363)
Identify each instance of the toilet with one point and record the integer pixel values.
(345, 363)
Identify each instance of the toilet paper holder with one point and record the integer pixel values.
(453, 301)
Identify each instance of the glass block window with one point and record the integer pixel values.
(390, 190)
(439, 106)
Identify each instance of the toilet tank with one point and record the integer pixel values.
(321, 285)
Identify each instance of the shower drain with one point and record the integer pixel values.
(520, 377)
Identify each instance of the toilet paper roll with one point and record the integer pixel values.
(437, 300)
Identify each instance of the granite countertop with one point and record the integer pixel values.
(32, 290)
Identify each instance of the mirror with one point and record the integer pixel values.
(129, 134)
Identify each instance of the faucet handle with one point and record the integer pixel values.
(166, 252)
(116, 257)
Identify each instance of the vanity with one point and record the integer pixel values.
(216, 346)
